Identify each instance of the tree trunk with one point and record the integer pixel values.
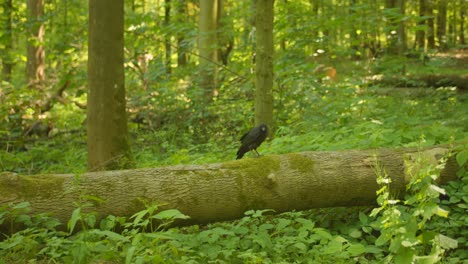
(430, 24)
(7, 58)
(108, 146)
(442, 24)
(402, 45)
(223, 191)
(225, 40)
(391, 26)
(181, 7)
(208, 47)
(167, 38)
(461, 38)
(264, 62)
(354, 38)
(35, 50)
(420, 33)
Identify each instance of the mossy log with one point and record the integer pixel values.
(223, 191)
(428, 80)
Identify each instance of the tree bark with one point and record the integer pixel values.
(354, 38)
(442, 25)
(7, 58)
(430, 24)
(208, 47)
(461, 38)
(108, 146)
(264, 62)
(421, 33)
(167, 38)
(35, 49)
(181, 10)
(401, 31)
(224, 191)
(396, 32)
(391, 26)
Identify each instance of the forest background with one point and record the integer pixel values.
(347, 75)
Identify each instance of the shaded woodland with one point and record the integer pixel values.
(120, 122)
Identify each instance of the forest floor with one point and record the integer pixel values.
(352, 113)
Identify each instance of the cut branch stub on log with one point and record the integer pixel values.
(223, 191)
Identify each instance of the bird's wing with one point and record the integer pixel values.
(252, 136)
(243, 136)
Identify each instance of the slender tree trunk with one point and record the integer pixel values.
(225, 40)
(224, 191)
(108, 146)
(451, 35)
(208, 48)
(181, 8)
(421, 33)
(442, 24)
(35, 48)
(7, 57)
(391, 26)
(461, 38)
(314, 9)
(353, 34)
(167, 40)
(430, 24)
(402, 40)
(65, 13)
(264, 62)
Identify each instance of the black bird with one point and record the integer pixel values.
(252, 140)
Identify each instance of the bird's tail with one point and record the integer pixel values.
(240, 153)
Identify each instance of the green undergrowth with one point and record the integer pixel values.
(327, 118)
(427, 225)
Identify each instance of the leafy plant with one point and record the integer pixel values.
(403, 223)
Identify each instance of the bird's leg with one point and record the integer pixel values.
(258, 155)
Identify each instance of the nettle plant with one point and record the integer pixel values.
(403, 224)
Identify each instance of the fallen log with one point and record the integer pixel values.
(224, 191)
(428, 80)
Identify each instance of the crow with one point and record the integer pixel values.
(252, 140)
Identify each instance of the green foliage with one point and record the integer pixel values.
(405, 225)
(168, 126)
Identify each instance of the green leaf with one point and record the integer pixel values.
(431, 259)
(265, 227)
(382, 240)
(367, 229)
(161, 236)
(76, 215)
(93, 198)
(407, 243)
(170, 214)
(437, 189)
(282, 223)
(301, 246)
(138, 216)
(462, 157)
(22, 205)
(363, 218)
(108, 223)
(441, 212)
(90, 220)
(447, 242)
(323, 233)
(129, 256)
(112, 235)
(355, 233)
(333, 247)
(404, 256)
(356, 249)
(373, 249)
